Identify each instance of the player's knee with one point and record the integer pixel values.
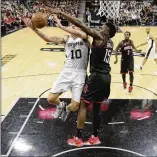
(51, 99)
(73, 107)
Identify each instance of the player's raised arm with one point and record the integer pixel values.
(54, 39)
(70, 30)
(93, 33)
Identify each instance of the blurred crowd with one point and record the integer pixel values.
(13, 10)
(137, 13)
(131, 13)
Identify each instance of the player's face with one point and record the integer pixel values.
(126, 35)
(105, 30)
(148, 30)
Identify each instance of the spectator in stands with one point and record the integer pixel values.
(11, 11)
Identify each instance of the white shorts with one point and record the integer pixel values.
(151, 54)
(72, 80)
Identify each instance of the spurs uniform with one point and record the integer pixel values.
(73, 74)
(151, 52)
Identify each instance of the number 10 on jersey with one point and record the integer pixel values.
(76, 54)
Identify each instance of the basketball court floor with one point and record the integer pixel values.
(27, 75)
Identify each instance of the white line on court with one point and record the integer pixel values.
(31, 102)
(40, 122)
(98, 147)
(41, 107)
(10, 108)
(13, 133)
(112, 123)
(143, 118)
(23, 116)
(19, 133)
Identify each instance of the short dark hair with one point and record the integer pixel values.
(128, 33)
(112, 29)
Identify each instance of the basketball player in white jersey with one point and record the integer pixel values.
(73, 74)
(152, 49)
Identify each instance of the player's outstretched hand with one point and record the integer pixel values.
(28, 23)
(53, 11)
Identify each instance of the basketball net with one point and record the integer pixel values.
(110, 9)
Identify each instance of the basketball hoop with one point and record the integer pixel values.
(110, 9)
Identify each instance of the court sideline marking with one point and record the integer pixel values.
(25, 122)
(19, 133)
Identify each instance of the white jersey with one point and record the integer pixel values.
(77, 54)
(151, 43)
(151, 54)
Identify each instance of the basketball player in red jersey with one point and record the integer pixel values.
(126, 47)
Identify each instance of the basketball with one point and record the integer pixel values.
(39, 20)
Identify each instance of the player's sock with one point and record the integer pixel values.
(79, 133)
(67, 110)
(131, 78)
(124, 78)
(60, 105)
(59, 109)
(96, 119)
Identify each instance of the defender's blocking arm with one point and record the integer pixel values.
(93, 33)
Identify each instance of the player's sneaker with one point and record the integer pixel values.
(138, 67)
(130, 89)
(59, 110)
(75, 141)
(65, 113)
(93, 141)
(124, 85)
